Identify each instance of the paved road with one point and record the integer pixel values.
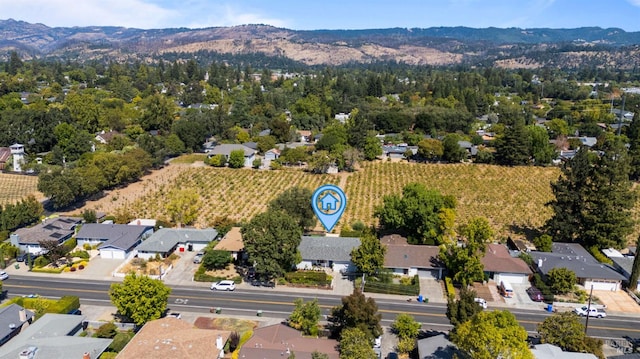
(274, 303)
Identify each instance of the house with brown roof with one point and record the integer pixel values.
(411, 259)
(5, 154)
(105, 137)
(501, 266)
(170, 338)
(279, 341)
(232, 242)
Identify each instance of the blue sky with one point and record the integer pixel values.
(327, 14)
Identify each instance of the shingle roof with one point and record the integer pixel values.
(548, 351)
(227, 148)
(11, 315)
(575, 258)
(121, 236)
(626, 263)
(272, 342)
(5, 153)
(232, 241)
(50, 229)
(327, 248)
(497, 259)
(400, 254)
(166, 239)
(170, 338)
(437, 347)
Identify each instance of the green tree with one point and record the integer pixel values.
(407, 330)
(333, 136)
(271, 240)
(462, 310)
(61, 186)
(418, 213)
(216, 161)
(157, 113)
(140, 298)
(463, 262)
(183, 206)
(492, 334)
(478, 232)
(354, 344)
(512, 147)
(369, 256)
(566, 331)
(431, 149)
(356, 311)
(451, 150)
(305, 316)
(540, 148)
(372, 148)
(236, 159)
(635, 270)
(216, 259)
(561, 280)
(544, 243)
(296, 202)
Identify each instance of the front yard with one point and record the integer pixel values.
(151, 267)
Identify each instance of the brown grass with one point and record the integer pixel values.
(14, 187)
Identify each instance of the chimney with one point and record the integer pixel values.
(22, 314)
(86, 355)
(539, 262)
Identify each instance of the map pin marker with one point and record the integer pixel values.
(329, 203)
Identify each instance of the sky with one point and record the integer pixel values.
(327, 14)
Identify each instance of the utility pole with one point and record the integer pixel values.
(586, 324)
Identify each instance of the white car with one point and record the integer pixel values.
(481, 302)
(227, 285)
(3, 275)
(593, 312)
(377, 343)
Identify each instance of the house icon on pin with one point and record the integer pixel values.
(329, 202)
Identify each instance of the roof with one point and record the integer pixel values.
(437, 347)
(272, 342)
(166, 239)
(232, 241)
(227, 148)
(11, 315)
(498, 260)
(548, 351)
(53, 336)
(121, 236)
(400, 254)
(170, 338)
(107, 136)
(143, 222)
(625, 264)
(336, 249)
(5, 153)
(50, 229)
(575, 258)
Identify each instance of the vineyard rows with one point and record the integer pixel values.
(15, 187)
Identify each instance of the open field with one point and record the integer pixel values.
(14, 187)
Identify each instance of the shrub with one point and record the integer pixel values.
(80, 254)
(72, 269)
(86, 246)
(308, 278)
(451, 291)
(49, 270)
(108, 355)
(80, 267)
(41, 262)
(120, 341)
(107, 330)
(597, 254)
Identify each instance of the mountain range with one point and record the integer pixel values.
(509, 48)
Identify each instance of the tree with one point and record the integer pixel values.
(89, 216)
(305, 316)
(451, 150)
(463, 262)
(561, 280)
(540, 148)
(418, 213)
(354, 344)
(544, 243)
(296, 202)
(369, 256)
(566, 331)
(407, 330)
(216, 161)
(157, 113)
(236, 159)
(183, 206)
(356, 311)
(140, 298)
(635, 270)
(462, 310)
(492, 334)
(478, 232)
(271, 240)
(53, 250)
(372, 148)
(512, 148)
(216, 259)
(430, 149)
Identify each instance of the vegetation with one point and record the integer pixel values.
(407, 330)
(369, 256)
(215, 259)
(355, 344)
(295, 202)
(358, 312)
(561, 280)
(305, 316)
(566, 331)
(140, 298)
(462, 310)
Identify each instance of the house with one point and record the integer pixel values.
(55, 229)
(398, 151)
(252, 145)
(105, 137)
(54, 336)
(226, 149)
(278, 341)
(166, 240)
(264, 133)
(116, 241)
(12, 319)
(232, 242)
(621, 263)
(5, 154)
(438, 347)
(501, 266)
(170, 338)
(574, 257)
(549, 351)
(327, 252)
(342, 117)
(410, 259)
(304, 136)
(272, 154)
(471, 149)
(143, 222)
(586, 141)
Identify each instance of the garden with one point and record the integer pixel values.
(155, 266)
(388, 283)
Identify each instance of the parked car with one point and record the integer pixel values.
(592, 312)
(3, 275)
(175, 315)
(198, 258)
(22, 257)
(535, 294)
(251, 273)
(226, 285)
(481, 302)
(75, 312)
(377, 343)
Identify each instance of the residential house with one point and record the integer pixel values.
(272, 154)
(342, 117)
(500, 266)
(264, 133)
(549, 351)
(143, 222)
(52, 229)
(327, 252)
(116, 241)
(226, 149)
(12, 320)
(410, 259)
(574, 257)
(622, 263)
(627, 116)
(438, 347)
(304, 136)
(279, 341)
(166, 240)
(232, 242)
(586, 141)
(105, 137)
(5, 154)
(170, 338)
(471, 149)
(54, 336)
(252, 145)
(398, 151)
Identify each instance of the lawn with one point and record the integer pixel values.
(14, 187)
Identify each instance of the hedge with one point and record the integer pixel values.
(599, 256)
(308, 277)
(451, 291)
(391, 288)
(61, 306)
(80, 254)
(49, 270)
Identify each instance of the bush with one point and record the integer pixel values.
(597, 254)
(451, 291)
(120, 341)
(41, 262)
(70, 243)
(72, 269)
(308, 278)
(215, 259)
(86, 246)
(50, 270)
(80, 254)
(107, 330)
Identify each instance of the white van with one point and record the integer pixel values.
(506, 290)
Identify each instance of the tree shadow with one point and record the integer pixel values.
(529, 232)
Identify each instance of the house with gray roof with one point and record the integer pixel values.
(438, 347)
(548, 351)
(54, 336)
(166, 240)
(226, 149)
(12, 318)
(116, 241)
(622, 263)
(574, 257)
(54, 229)
(327, 252)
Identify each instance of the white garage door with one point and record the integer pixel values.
(602, 285)
(112, 254)
(511, 278)
(427, 273)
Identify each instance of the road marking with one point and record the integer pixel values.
(181, 301)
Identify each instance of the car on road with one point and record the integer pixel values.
(592, 312)
(481, 302)
(227, 285)
(535, 294)
(198, 258)
(377, 343)
(3, 275)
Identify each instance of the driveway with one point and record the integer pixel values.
(617, 302)
(431, 288)
(183, 271)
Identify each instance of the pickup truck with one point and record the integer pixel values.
(592, 312)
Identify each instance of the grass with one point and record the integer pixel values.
(190, 158)
(15, 187)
